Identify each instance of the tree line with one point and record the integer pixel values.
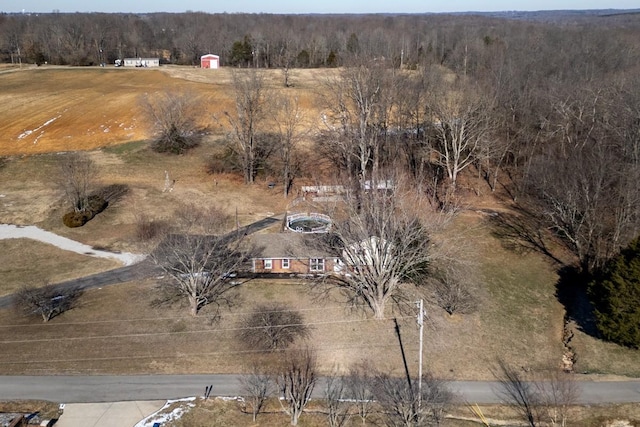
(461, 42)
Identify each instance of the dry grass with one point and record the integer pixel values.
(455, 346)
(230, 413)
(46, 264)
(578, 416)
(116, 331)
(53, 109)
(597, 357)
(46, 410)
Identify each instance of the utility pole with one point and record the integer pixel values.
(420, 319)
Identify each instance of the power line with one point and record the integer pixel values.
(182, 355)
(345, 306)
(202, 331)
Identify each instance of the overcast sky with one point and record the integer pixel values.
(302, 6)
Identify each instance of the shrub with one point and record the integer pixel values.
(175, 141)
(272, 327)
(76, 219)
(148, 229)
(47, 301)
(96, 204)
(223, 162)
(615, 294)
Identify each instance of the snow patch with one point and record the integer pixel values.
(26, 133)
(162, 417)
(35, 141)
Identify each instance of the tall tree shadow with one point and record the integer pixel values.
(522, 231)
(571, 291)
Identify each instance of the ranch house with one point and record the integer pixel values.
(210, 61)
(291, 253)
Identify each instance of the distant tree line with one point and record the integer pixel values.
(465, 43)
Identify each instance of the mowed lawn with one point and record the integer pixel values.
(116, 330)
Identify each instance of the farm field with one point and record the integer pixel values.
(115, 329)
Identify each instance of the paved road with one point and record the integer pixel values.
(85, 389)
(141, 270)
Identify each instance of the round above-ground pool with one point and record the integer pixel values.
(308, 223)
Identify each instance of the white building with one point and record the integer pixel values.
(141, 62)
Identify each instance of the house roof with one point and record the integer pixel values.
(290, 245)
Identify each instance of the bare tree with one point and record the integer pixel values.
(47, 301)
(273, 327)
(383, 246)
(589, 201)
(296, 381)
(77, 174)
(175, 119)
(585, 184)
(516, 391)
(289, 119)
(285, 55)
(541, 399)
(359, 383)
(357, 107)
(257, 386)
(461, 126)
(335, 396)
(199, 265)
(453, 288)
(249, 91)
(559, 392)
(403, 405)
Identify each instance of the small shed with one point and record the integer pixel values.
(210, 61)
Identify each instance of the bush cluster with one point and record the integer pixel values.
(223, 161)
(95, 205)
(272, 327)
(175, 141)
(148, 229)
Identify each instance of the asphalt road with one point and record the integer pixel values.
(86, 389)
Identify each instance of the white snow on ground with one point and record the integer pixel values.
(29, 132)
(163, 417)
(9, 231)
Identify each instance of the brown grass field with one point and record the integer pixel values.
(116, 330)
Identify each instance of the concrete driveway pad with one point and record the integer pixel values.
(110, 414)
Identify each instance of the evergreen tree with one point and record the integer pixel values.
(241, 53)
(615, 295)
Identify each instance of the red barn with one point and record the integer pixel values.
(209, 61)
